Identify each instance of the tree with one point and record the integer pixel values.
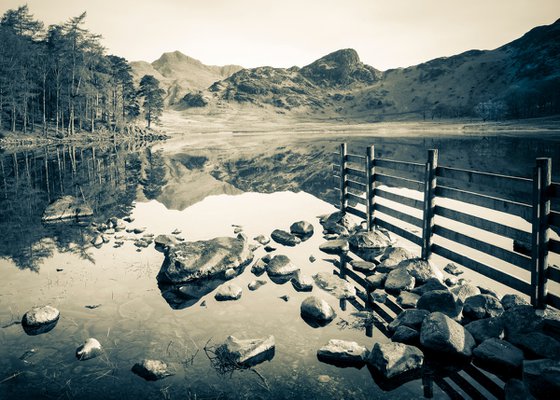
(153, 98)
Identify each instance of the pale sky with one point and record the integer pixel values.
(281, 33)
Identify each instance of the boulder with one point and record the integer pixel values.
(451, 281)
(151, 370)
(302, 283)
(411, 318)
(90, 349)
(393, 359)
(190, 261)
(453, 269)
(399, 279)
(442, 335)
(336, 246)
(66, 207)
(537, 345)
(464, 291)
(285, 238)
(542, 377)
(247, 352)
(343, 352)
(521, 319)
(264, 240)
(301, 229)
(369, 244)
(228, 292)
(165, 241)
(281, 265)
(269, 249)
(440, 300)
(486, 328)
(513, 300)
(392, 257)
(421, 270)
(407, 299)
(428, 286)
(482, 306)
(336, 223)
(255, 284)
(406, 335)
(259, 267)
(316, 309)
(498, 355)
(378, 296)
(335, 285)
(377, 280)
(365, 267)
(38, 316)
(488, 291)
(515, 389)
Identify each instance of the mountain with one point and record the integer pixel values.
(180, 74)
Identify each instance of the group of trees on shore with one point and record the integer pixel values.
(59, 80)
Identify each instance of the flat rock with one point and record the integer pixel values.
(378, 296)
(393, 359)
(228, 292)
(335, 285)
(336, 246)
(262, 239)
(301, 228)
(151, 370)
(406, 335)
(513, 300)
(190, 261)
(247, 352)
(281, 265)
(486, 328)
(66, 207)
(377, 280)
(365, 267)
(537, 345)
(343, 351)
(498, 355)
(90, 349)
(542, 377)
(411, 318)
(399, 279)
(421, 270)
(317, 309)
(482, 306)
(443, 335)
(255, 284)
(407, 299)
(284, 238)
(392, 257)
(302, 283)
(453, 269)
(440, 300)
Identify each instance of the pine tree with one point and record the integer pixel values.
(153, 98)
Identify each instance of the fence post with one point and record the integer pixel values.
(370, 186)
(541, 212)
(342, 162)
(429, 203)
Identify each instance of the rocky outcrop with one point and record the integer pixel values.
(285, 238)
(393, 359)
(247, 352)
(335, 285)
(67, 207)
(316, 309)
(281, 265)
(151, 370)
(442, 335)
(342, 352)
(90, 349)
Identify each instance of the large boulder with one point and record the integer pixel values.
(228, 292)
(542, 377)
(151, 370)
(443, 335)
(411, 318)
(67, 207)
(190, 261)
(393, 359)
(421, 270)
(281, 265)
(343, 352)
(369, 244)
(301, 229)
(40, 320)
(482, 306)
(392, 257)
(440, 300)
(399, 279)
(316, 309)
(247, 352)
(498, 355)
(335, 246)
(285, 238)
(302, 283)
(335, 285)
(486, 328)
(537, 345)
(90, 349)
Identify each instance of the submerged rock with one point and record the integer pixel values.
(228, 292)
(255, 284)
(393, 359)
(302, 283)
(151, 370)
(343, 352)
(336, 246)
(441, 334)
(317, 309)
(335, 285)
(203, 259)
(248, 352)
(90, 349)
(66, 207)
(302, 229)
(281, 265)
(285, 238)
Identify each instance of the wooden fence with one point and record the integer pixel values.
(363, 179)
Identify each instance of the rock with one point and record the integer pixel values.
(441, 334)
(281, 265)
(464, 291)
(453, 269)
(176, 231)
(332, 236)
(228, 292)
(259, 267)
(342, 351)
(411, 318)
(488, 291)
(285, 297)
(368, 244)
(392, 257)
(486, 328)
(378, 296)
(521, 319)
(247, 352)
(230, 273)
(110, 231)
(237, 230)
(90, 349)
(302, 283)
(190, 261)
(97, 241)
(38, 316)
(316, 309)
(335, 223)
(139, 230)
(128, 219)
(336, 246)
(406, 335)
(365, 267)
(285, 238)
(312, 258)
(537, 345)
(498, 355)
(67, 207)
(335, 285)
(542, 377)
(377, 280)
(393, 359)
(515, 389)
(482, 306)
(180, 238)
(407, 299)
(302, 229)
(242, 236)
(429, 285)
(421, 270)
(151, 370)
(440, 300)
(141, 243)
(451, 281)
(255, 284)
(264, 240)
(266, 258)
(269, 248)
(513, 300)
(399, 279)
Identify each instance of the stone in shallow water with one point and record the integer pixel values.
(392, 257)
(378, 296)
(317, 309)
(393, 359)
(376, 280)
(399, 279)
(335, 285)
(453, 269)
(407, 299)
(151, 370)
(301, 228)
(269, 248)
(285, 238)
(336, 246)
(90, 349)
(255, 284)
(38, 316)
(343, 352)
(247, 352)
(162, 241)
(498, 355)
(369, 244)
(264, 240)
(366, 267)
(421, 270)
(97, 241)
(281, 265)
(66, 207)
(228, 292)
(302, 283)
(441, 334)
(259, 267)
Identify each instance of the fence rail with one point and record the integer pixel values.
(364, 179)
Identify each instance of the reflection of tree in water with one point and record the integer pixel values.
(155, 174)
(29, 180)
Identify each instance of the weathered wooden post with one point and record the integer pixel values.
(541, 213)
(343, 188)
(429, 203)
(370, 186)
